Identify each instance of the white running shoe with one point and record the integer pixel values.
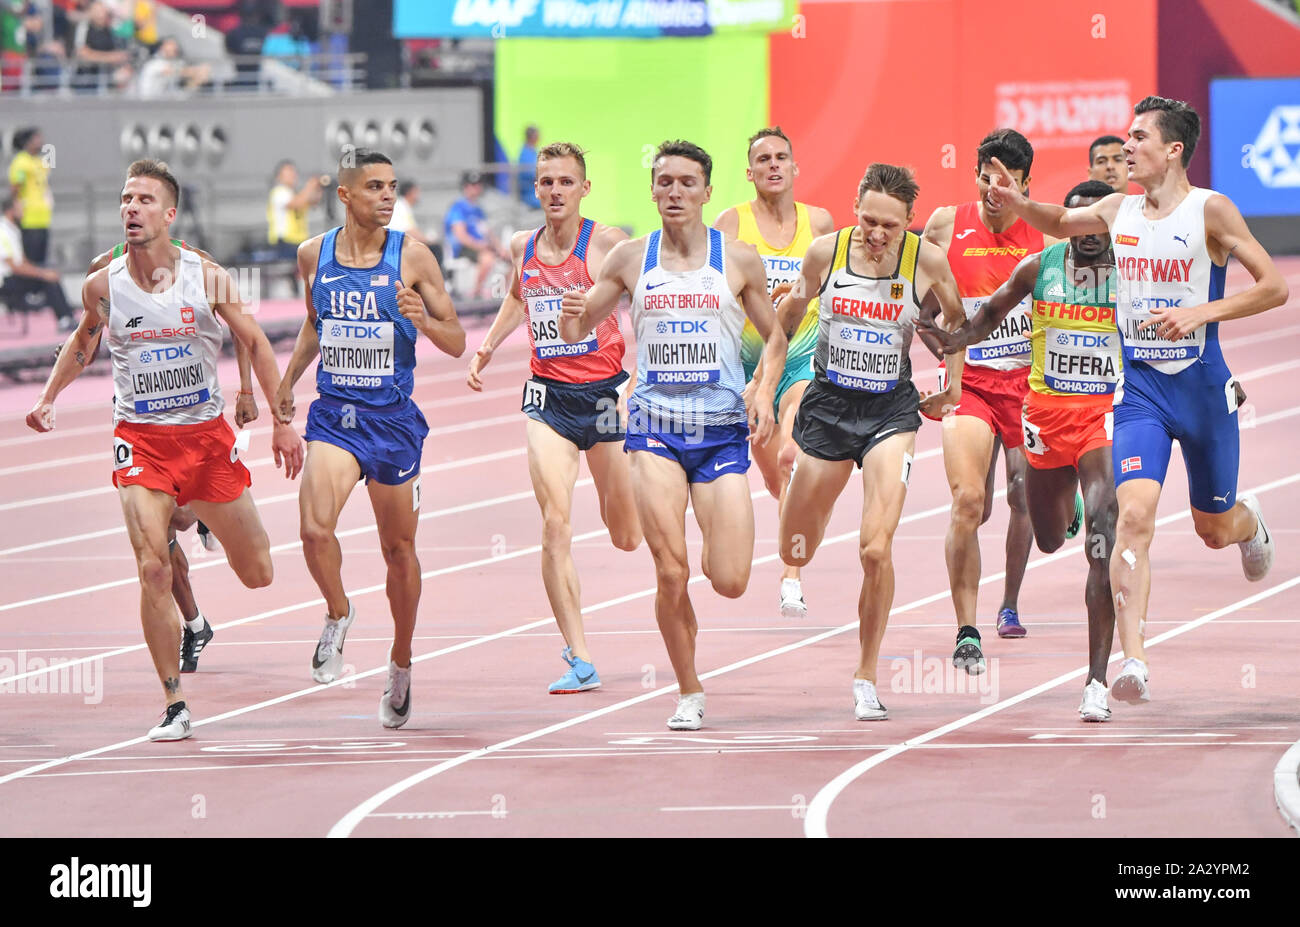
(327, 661)
(1257, 553)
(792, 603)
(1094, 707)
(866, 704)
(689, 715)
(395, 706)
(1131, 683)
(175, 724)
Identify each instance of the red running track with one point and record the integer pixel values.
(487, 752)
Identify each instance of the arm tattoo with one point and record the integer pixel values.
(171, 684)
(81, 358)
(94, 329)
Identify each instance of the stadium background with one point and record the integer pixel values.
(446, 86)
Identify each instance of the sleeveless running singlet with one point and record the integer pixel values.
(541, 287)
(981, 261)
(1075, 343)
(783, 265)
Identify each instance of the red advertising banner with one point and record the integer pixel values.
(920, 82)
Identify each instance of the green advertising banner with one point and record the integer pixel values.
(619, 98)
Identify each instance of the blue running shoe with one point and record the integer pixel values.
(1009, 624)
(580, 677)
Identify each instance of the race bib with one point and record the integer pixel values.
(534, 395)
(165, 377)
(1010, 339)
(357, 354)
(1146, 345)
(1033, 439)
(682, 351)
(1084, 363)
(863, 357)
(123, 454)
(544, 317)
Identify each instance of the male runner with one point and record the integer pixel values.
(171, 444)
(686, 427)
(572, 399)
(984, 244)
(196, 632)
(1172, 244)
(1067, 415)
(870, 280)
(1106, 163)
(370, 295)
(781, 229)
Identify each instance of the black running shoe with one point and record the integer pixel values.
(968, 655)
(192, 645)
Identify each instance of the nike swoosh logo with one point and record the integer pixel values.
(841, 286)
(585, 679)
(962, 235)
(407, 470)
(657, 285)
(325, 279)
(888, 432)
(717, 467)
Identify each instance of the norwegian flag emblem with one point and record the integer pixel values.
(1128, 464)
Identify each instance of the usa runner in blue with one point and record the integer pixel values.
(1172, 244)
(370, 295)
(691, 293)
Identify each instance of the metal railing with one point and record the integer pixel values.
(297, 75)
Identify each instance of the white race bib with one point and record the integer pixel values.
(1147, 345)
(1010, 339)
(544, 317)
(864, 357)
(1084, 363)
(357, 354)
(683, 350)
(167, 377)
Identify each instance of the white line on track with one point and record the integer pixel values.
(349, 822)
(819, 807)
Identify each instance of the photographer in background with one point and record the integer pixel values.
(286, 209)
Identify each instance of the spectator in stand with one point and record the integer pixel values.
(167, 73)
(44, 50)
(20, 277)
(246, 41)
(286, 209)
(29, 185)
(403, 218)
(144, 19)
(467, 232)
(100, 53)
(528, 169)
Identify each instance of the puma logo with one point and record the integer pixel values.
(1183, 239)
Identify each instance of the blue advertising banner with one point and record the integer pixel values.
(500, 19)
(1255, 143)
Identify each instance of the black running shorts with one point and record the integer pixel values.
(843, 424)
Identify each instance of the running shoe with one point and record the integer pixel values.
(968, 655)
(395, 706)
(209, 539)
(866, 704)
(1094, 707)
(792, 603)
(175, 724)
(1257, 553)
(192, 645)
(327, 661)
(580, 677)
(1076, 523)
(689, 715)
(1009, 624)
(1131, 683)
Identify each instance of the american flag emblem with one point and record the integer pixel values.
(379, 280)
(1129, 464)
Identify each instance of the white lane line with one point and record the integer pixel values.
(349, 822)
(1286, 786)
(819, 807)
(268, 500)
